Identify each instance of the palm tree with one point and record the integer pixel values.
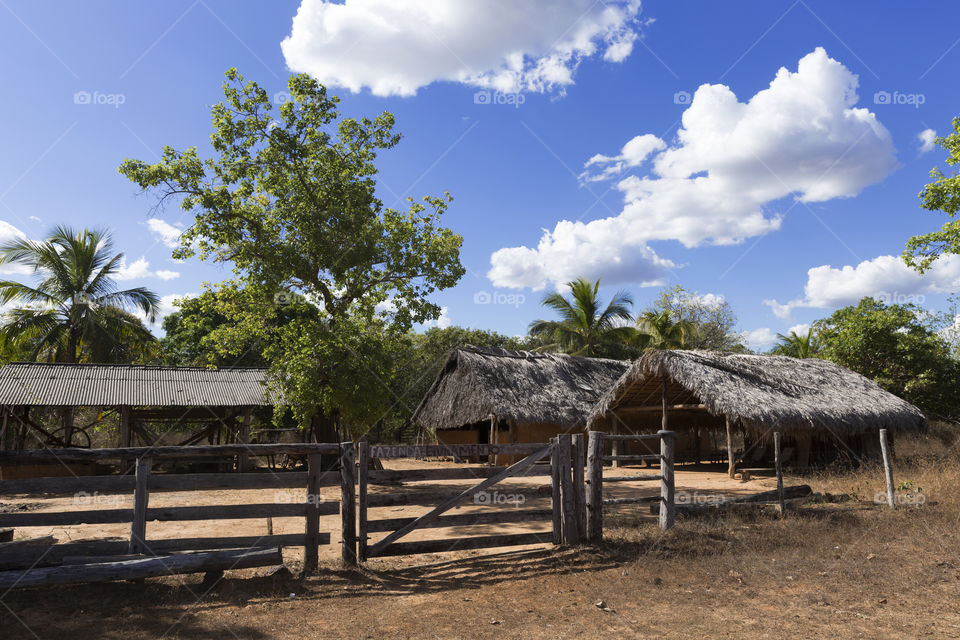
(586, 328)
(658, 330)
(75, 313)
(797, 346)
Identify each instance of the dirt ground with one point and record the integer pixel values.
(844, 570)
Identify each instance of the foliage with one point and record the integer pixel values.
(586, 327)
(942, 194)
(797, 346)
(74, 313)
(289, 200)
(709, 319)
(661, 330)
(892, 345)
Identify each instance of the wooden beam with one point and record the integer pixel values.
(311, 539)
(660, 407)
(731, 463)
(138, 528)
(502, 516)
(170, 452)
(457, 544)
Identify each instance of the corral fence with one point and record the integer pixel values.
(573, 463)
(596, 478)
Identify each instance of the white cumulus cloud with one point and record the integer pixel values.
(927, 139)
(165, 232)
(395, 47)
(802, 136)
(140, 268)
(8, 233)
(885, 278)
(759, 338)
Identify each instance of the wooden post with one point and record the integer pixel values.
(595, 486)
(362, 473)
(3, 431)
(779, 468)
(667, 506)
(348, 505)
(663, 404)
(125, 436)
(311, 543)
(555, 492)
(492, 459)
(138, 529)
(579, 489)
(615, 447)
(244, 438)
(888, 469)
(566, 491)
(731, 463)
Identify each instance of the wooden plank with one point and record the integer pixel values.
(638, 478)
(222, 450)
(888, 469)
(731, 463)
(239, 511)
(363, 471)
(646, 456)
(455, 500)
(594, 482)
(630, 436)
(636, 500)
(567, 500)
(578, 450)
(657, 408)
(452, 450)
(667, 441)
(311, 512)
(468, 473)
(459, 544)
(348, 511)
(433, 497)
(141, 496)
(555, 501)
(501, 516)
(168, 482)
(65, 518)
(142, 568)
(67, 485)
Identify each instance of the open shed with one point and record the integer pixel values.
(488, 395)
(821, 408)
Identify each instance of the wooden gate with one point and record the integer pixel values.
(567, 525)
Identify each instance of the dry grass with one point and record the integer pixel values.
(842, 570)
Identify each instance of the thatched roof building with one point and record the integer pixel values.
(763, 392)
(516, 387)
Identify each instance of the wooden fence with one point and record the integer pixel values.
(575, 468)
(595, 477)
(134, 553)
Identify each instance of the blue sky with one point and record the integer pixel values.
(797, 196)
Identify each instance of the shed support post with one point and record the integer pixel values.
(492, 459)
(125, 435)
(615, 445)
(3, 430)
(667, 488)
(779, 467)
(888, 469)
(731, 463)
(595, 486)
(244, 438)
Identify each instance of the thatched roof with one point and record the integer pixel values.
(765, 391)
(520, 386)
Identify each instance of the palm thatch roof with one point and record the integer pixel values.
(545, 388)
(763, 391)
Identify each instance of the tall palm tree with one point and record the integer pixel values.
(797, 346)
(659, 330)
(75, 313)
(586, 327)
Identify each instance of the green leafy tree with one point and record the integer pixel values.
(943, 195)
(893, 346)
(289, 200)
(709, 320)
(586, 327)
(797, 346)
(74, 312)
(661, 330)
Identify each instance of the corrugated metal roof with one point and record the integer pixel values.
(37, 383)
